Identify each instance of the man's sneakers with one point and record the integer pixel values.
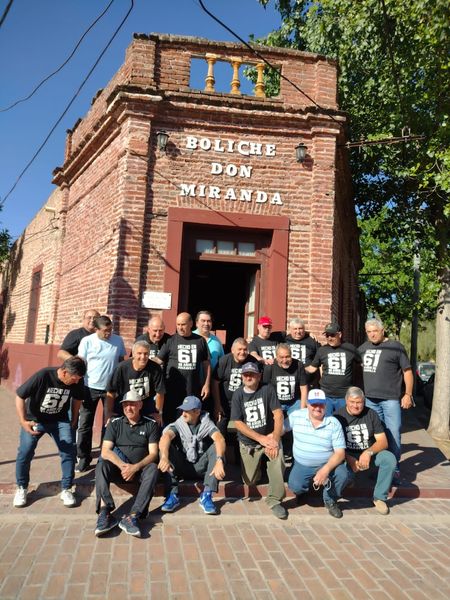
(381, 507)
(207, 503)
(130, 524)
(279, 511)
(20, 497)
(82, 465)
(68, 498)
(172, 502)
(105, 522)
(334, 510)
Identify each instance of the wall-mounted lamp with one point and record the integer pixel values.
(50, 209)
(300, 152)
(162, 138)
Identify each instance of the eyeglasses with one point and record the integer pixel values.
(331, 335)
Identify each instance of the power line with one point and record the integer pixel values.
(5, 12)
(33, 158)
(261, 57)
(62, 65)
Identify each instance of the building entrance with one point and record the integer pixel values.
(230, 291)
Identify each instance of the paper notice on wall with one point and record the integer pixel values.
(162, 300)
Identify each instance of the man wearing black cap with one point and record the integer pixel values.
(190, 447)
(258, 418)
(335, 360)
(129, 454)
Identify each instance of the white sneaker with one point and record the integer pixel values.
(68, 498)
(20, 498)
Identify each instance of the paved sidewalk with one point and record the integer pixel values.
(49, 551)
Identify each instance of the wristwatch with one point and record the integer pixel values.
(371, 452)
(219, 458)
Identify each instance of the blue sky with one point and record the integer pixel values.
(37, 36)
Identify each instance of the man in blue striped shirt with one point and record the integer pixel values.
(319, 452)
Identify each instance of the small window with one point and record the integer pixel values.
(246, 249)
(205, 246)
(225, 247)
(33, 307)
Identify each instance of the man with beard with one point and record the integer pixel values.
(141, 375)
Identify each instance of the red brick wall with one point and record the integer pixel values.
(116, 188)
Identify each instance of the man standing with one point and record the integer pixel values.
(129, 454)
(102, 351)
(155, 335)
(190, 447)
(70, 344)
(227, 377)
(287, 375)
(43, 403)
(258, 418)
(263, 345)
(203, 322)
(336, 360)
(366, 440)
(188, 370)
(386, 369)
(319, 452)
(141, 375)
(303, 346)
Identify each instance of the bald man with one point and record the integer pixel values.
(155, 335)
(188, 370)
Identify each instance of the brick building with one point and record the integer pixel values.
(223, 218)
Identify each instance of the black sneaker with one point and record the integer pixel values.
(334, 510)
(82, 465)
(105, 523)
(279, 511)
(130, 524)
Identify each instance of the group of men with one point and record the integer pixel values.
(167, 409)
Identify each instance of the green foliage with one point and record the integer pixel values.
(394, 66)
(5, 245)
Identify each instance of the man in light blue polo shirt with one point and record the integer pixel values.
(319, 452)
(203, 322)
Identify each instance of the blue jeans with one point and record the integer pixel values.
(386, 463)
(333, 404)
(63, 436)
(301, 476)
(390, 414)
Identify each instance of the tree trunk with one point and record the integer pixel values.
(440, 414)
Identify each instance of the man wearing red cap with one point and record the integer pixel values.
(263, 345)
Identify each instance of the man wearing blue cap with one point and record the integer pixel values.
(190, 447)
(319, 452)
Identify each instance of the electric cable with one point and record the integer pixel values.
(60, 118)
(5, 12)
(62, 65)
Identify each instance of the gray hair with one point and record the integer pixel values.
(239, 340)
(375, 322)
(354, 392)
(297, 321)
(283, 346)
(141, 344)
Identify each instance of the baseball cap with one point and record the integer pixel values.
(265, 321)
(131, 396)
(316, 397)
(250, 368)
(332, 328)
(190, 403)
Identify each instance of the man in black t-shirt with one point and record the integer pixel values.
(155, 335)
(129, 454)
(287, 375)
(44, 403)
(303, 346)
(141, 375)
(190, 447)
(386, 371)
(227, 378)
(258, 418)
(366, 440)
(70, 344)
(185, 356)
(336, 361)
(263, 345)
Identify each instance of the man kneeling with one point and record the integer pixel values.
(129, 454)
(187, 451)
(366, 439)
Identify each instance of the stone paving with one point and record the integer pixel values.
(49, 551)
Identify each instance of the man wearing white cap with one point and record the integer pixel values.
(190, 447)
(319, 452)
